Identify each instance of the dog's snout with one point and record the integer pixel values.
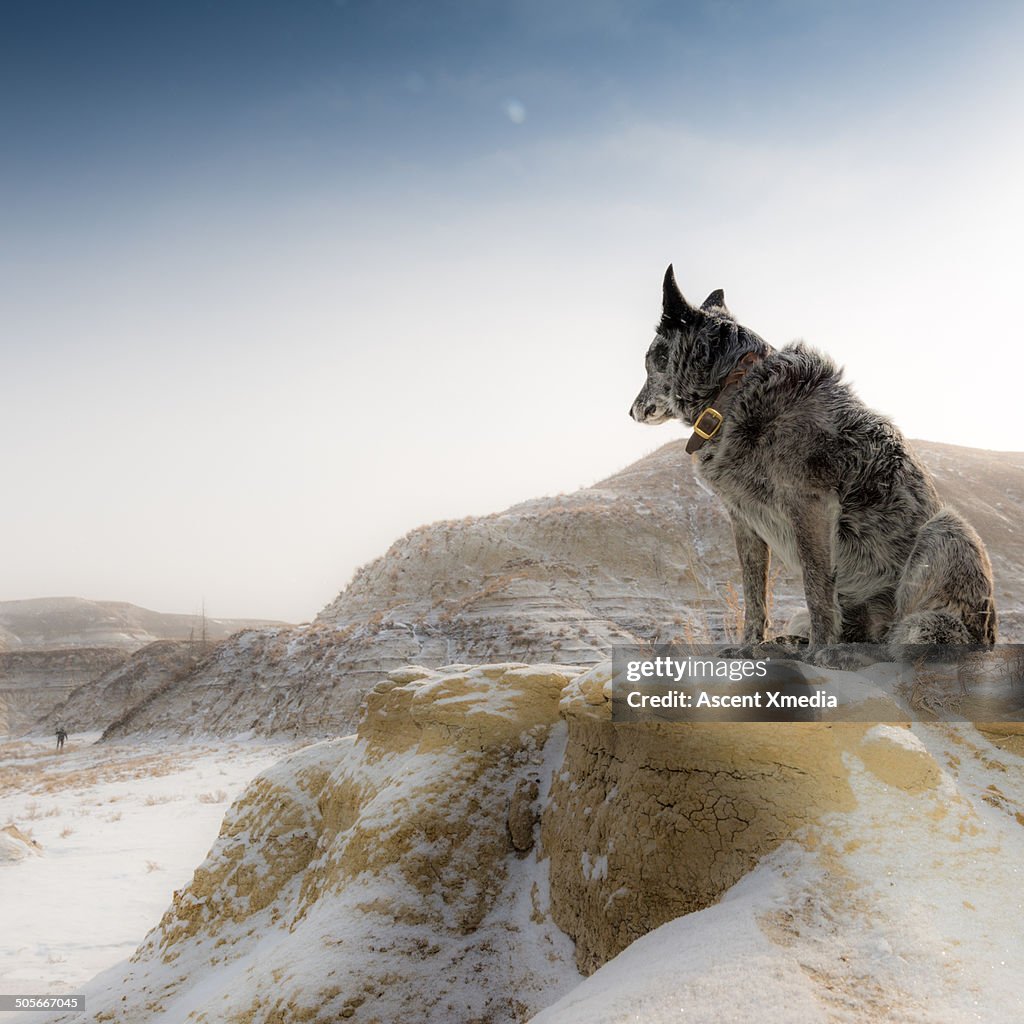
(642, 411)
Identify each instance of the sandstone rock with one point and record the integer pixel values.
(489, 829)
(372, 878)
(898, 758)
(648, 821)
(16, 845)
(522, 814)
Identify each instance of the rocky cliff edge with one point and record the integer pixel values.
(489, 838)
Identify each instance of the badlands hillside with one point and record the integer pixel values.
(87, 708)
(32, 682)
(645, 554)
(491, 848)
(51, 646)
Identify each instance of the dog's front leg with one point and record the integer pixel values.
(814, 518)
(755, 557)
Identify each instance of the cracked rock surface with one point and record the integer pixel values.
(648, 821)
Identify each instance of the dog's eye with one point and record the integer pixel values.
(658, 356)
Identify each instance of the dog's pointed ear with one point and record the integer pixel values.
(716, 300)
(674, 308)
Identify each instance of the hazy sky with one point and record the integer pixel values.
(282, 281)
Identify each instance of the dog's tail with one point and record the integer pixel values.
(945, 594)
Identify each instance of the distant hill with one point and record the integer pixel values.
(33, 682)
(49, 623)
(645, 554)
(92, 705)
(52, 646)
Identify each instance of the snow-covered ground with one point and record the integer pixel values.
(120, 826)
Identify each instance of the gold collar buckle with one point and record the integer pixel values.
(712, 429)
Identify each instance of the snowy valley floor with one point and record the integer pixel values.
(121, 826)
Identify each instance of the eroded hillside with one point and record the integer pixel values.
(646, 554)
(490, 837)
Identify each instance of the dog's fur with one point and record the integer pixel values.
(945, 592)
(807, 470)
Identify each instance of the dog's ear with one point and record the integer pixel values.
(716, 300)
(674, 308)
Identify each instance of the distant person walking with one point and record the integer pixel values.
(61, 737)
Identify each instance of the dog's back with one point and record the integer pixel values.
(797, 431)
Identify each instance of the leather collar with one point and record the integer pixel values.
(710, 421)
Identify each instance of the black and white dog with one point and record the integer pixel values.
(808, 471)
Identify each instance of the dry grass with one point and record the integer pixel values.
(151, 866)
(732, 615)
(213, 798)
(32, 769)
(936, 689)
(66, 831)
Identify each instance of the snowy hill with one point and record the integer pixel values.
(645, 554)
(490, 838)
(33, 682)
(91, 706)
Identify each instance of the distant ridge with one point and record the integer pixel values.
(52, 623)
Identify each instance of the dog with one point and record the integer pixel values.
(806, 470)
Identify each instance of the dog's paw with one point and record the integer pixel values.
(791, 640)
(737, 651)
(749, 651)
(847, 657)
(761, 651)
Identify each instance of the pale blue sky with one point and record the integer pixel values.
(284, 280)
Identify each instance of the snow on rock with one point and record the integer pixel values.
(648, 821)
(15, 845)
(490, 836)
(904, 906)
(376, 877)
(94, 705)
(34, 682)
(899, 758)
